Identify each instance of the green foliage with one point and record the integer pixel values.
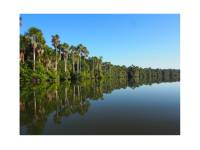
(25, 72)
(51, 75)
(40, 73)
(65, 62)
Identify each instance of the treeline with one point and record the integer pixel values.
(152, 75)
(40, 62)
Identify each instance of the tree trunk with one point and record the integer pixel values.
(47, 64)
(78, 93)
(56, 67)
(65, 65)
(60, 56)
(80, 63)
(56, 92)
(35, 104)
(74, 93)
(93, 66)
(84, 63)
(73, 63)
(66, 97)
(21, 57)
(33, 58)
(78, 66)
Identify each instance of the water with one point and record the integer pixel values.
(108, 108)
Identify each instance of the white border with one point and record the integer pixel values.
(190, 75)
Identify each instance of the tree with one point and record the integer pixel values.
(55, 42)
(39, 51)
(22, 48)
(73, 50)
(65, 49)
(34, 45)
(49, 62)
(85, 53)
(35, 37)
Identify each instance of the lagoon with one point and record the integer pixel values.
(101, 108)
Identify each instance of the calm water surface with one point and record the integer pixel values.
(101, 108)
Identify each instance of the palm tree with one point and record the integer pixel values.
(80, 49)
(83, 52)
(35, 37)
(75, 58)
(60, 51)
(94, 65)
(34, 46)
(22, 48)
(65, 49)
(73, 49)
(39, 51)
(100, 64)
(55, 42)
(47, 57)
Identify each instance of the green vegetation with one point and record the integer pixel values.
(39, 62)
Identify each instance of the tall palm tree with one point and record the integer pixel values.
(47, 57)
(39, 51)
(60, 51)
(65, 49)
(80, 50)
(73, 49)
(75, 58)
(100, 64)
(34, 46)
(86, 52)
(55, 42)
(83, 52)
(22, 48)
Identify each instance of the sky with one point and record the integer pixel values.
(145, 40)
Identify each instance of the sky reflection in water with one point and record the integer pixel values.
(100, 108)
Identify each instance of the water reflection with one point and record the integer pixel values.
(37, 103)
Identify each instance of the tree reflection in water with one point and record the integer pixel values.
(37, 102)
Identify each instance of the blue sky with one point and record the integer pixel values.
(146, 40)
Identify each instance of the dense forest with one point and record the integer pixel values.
(40, 62)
